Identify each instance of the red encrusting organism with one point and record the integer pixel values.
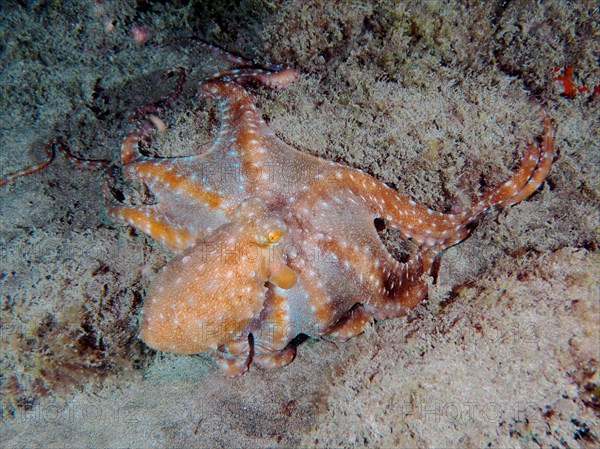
(570, 89)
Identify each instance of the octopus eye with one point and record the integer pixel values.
(270, 232)
(273, 236)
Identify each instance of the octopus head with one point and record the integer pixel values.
(207, 296)
(267, 230)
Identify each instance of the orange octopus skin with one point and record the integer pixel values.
(275, 243)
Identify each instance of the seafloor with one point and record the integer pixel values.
(436, 98)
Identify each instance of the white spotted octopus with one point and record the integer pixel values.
(274, 242)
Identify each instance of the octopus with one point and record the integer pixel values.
(274, 243)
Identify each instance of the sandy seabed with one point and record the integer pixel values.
(434, 98)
